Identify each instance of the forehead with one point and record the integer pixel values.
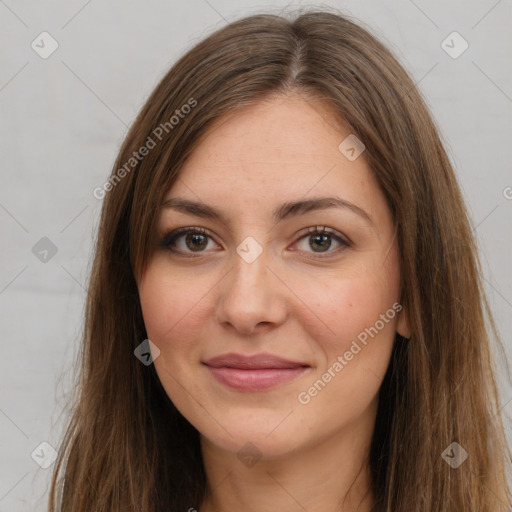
(286, 128)
(276, 150)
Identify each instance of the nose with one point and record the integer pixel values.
(251, 297)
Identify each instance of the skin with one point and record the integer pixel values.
(295, 300)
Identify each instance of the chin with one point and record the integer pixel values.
(264, 440)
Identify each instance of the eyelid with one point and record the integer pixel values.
(171, 236)
(342, 239)
(324, 229)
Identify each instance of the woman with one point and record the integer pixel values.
(285, 309)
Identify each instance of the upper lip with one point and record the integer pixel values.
(257, 361)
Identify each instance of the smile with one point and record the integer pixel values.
(254, 379)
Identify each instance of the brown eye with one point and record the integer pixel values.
(186, 240)
(319, 241)
(196, 241)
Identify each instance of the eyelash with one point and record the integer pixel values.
(169, 239)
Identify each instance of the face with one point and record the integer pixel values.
(315, 284)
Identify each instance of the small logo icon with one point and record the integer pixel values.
(249, 455)
(351, 147)
(454, 455)
(44, 45)
(44, 455)
(147, 352)
(249, 250)
(454, 45)
(44, 250)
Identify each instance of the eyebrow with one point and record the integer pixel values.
(285, 210)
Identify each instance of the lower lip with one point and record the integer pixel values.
(255, 380)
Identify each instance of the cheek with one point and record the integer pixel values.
(173, 309)
(157, 303)
(344, 308)
(360, 313)
(169, 303)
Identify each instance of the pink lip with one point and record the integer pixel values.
(253, 373)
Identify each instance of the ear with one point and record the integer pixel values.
(403, 325)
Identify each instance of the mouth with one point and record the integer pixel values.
(254, 373)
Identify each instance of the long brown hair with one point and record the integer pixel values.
(127, 447)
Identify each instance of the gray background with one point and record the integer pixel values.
(64, 117)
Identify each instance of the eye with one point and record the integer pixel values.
(320, 239)
(187, 240)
